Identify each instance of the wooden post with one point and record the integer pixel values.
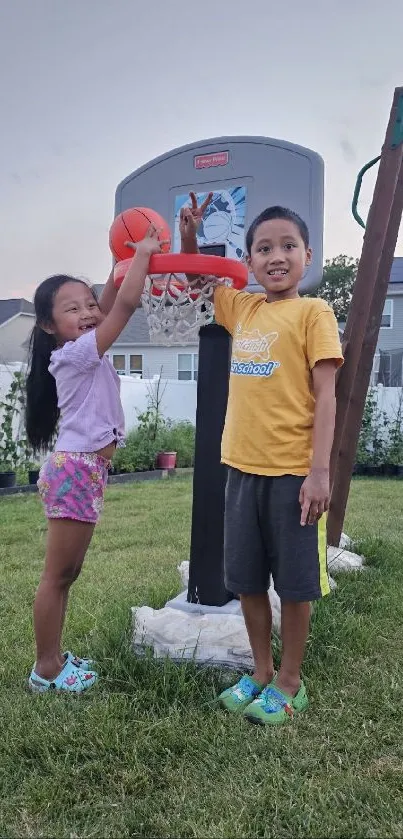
(349, 441)
(365, 317)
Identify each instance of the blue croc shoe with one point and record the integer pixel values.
(70, 680)
(82, 663)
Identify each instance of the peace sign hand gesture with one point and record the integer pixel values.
(190, 217)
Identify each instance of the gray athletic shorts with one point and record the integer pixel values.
(263, 536)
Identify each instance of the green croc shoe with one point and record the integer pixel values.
(273, 707)
(239, 696)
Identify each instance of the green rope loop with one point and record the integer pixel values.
(358, 189)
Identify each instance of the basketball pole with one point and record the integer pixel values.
(206, 566)
(365, 314)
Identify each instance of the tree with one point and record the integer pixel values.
(337, 285)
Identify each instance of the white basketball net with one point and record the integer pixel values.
(180, 307)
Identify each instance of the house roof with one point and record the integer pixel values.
(136, 331)
(10, 308)
(396, 274)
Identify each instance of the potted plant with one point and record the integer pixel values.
(375, 467)
(166, 460)
(394, 451)
(11, 445)
(394, 460)
(374, 433)
(33, 472)
(361, 458)
(30, 465)
(364, 449)
(7, 476)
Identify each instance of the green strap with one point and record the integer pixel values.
(397, 140)
(358, 189)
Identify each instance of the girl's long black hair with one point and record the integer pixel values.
(42, 412)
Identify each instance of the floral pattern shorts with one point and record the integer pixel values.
(72, 484)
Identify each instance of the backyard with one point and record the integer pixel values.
(148, 752)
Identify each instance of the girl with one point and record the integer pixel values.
(72, 385)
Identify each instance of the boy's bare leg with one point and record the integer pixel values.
(258, 619)
(295, 618)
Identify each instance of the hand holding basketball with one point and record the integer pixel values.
(190, 217)
(150, 244)
(133, 225)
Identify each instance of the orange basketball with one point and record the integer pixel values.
(133, 225)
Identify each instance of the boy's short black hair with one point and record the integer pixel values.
(273, 213)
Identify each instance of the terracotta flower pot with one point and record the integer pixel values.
(166, 460)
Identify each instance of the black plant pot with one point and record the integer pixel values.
(33, 476)
(374, 471)
(390, 470)
(7, 479)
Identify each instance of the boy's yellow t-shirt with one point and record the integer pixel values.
(270, 412)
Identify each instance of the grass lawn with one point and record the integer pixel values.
(147, 752)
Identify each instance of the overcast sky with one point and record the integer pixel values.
(92, 89)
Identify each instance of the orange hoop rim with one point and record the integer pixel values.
(193, 263)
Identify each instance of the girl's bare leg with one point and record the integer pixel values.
(67, 545)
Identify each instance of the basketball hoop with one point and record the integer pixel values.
(178, 293)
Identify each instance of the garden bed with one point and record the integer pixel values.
(385, 470)
(120, 478)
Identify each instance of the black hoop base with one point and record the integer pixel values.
(206, 567)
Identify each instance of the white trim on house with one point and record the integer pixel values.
(389, 300)
(375, 368)
(17, 315)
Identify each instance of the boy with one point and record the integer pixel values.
(276, 444)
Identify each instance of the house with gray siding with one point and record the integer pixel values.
(134, 355)
(388, 360)
(16, 321)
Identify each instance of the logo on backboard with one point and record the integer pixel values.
(208, 161)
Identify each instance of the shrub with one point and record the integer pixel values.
(138, 455)
(142, 446)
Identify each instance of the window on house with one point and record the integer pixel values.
(188, 365)
(136, 365)
(390, 368)
(119, 363)
(387, 315)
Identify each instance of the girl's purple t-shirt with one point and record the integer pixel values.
(88, 395)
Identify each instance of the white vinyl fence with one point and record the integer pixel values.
(389, 399)
(178, 399)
